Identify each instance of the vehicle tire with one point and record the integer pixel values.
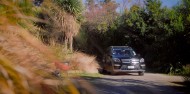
(104, 71)
(141, 73)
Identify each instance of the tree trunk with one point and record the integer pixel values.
(71, 43)
(66, 42)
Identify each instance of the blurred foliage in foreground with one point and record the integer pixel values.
(26, 64)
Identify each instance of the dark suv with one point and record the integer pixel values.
(122, 59)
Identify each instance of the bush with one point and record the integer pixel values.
(186, 73)
(84, 63)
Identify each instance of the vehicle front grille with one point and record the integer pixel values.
(126, 67)
(125, 60)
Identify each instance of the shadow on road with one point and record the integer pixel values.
(183, 87)
(130, 86)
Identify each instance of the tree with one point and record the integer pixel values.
(74, 7)
(102, 15)
(64, 20)
(152, 30)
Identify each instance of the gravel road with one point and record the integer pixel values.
(150, 83)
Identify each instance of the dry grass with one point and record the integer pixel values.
(25, 62)
(78, 61)
(22, 52)
(61, 23)
(83, 62)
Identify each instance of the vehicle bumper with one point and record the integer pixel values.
(127, 66)
(130, 71)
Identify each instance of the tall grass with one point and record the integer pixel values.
(25, 62)
(84, 63)
(186, 73)
(15, 79)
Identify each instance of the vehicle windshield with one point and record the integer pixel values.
(123, 52)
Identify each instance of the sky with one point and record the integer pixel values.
(168, 3)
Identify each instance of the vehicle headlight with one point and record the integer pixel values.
(116, 60)
(141, 60)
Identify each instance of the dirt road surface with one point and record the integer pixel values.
(150, 83)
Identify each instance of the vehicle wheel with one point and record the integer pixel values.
(141, 73)
(104, 71)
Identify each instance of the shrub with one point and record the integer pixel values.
(84, 62)
(186, 73)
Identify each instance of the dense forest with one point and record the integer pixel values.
(160, 34)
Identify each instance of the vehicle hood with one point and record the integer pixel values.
(124, 57)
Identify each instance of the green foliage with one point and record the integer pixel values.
(74, 7)
(186, 73)
(103, 26)
(153, 8)
(183, 70)
(21, 9)
(160, 34)
(134, 20)
(26, 7)
(81, 40)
